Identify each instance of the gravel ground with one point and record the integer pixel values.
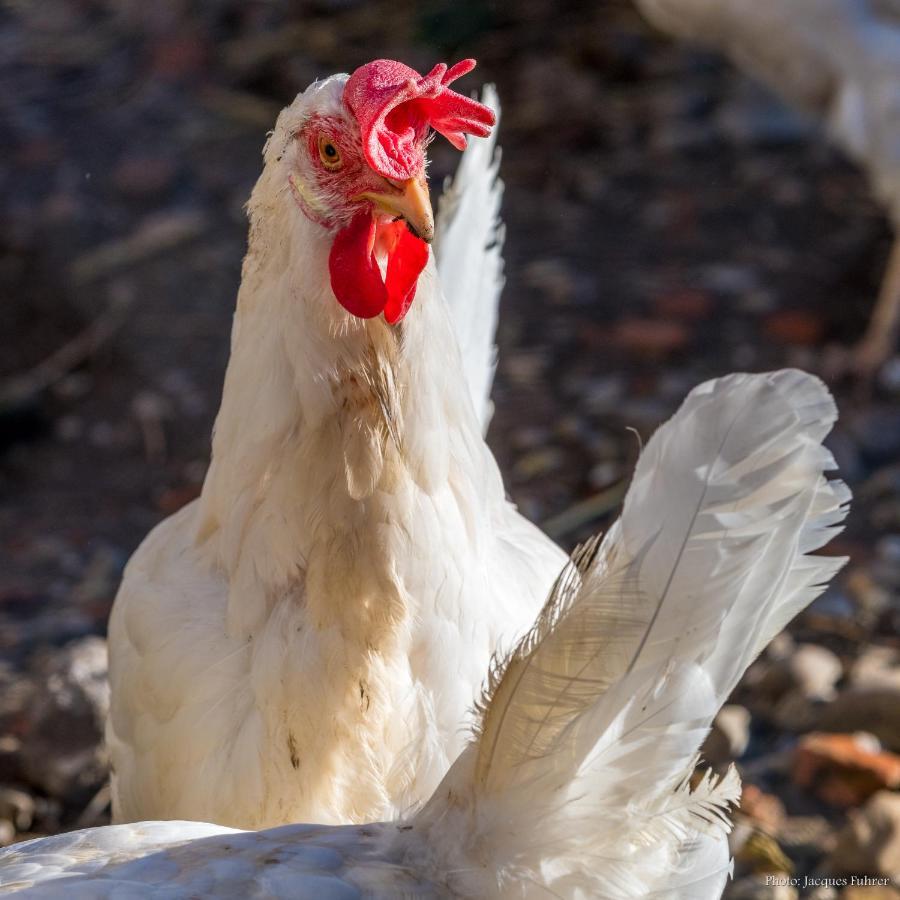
(668, 221)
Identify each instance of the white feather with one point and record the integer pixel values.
(306, 640)
(593, 724)
(576, 785)
(468, 248)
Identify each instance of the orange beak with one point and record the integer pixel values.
(407, 200)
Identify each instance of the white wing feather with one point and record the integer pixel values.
(592, 727)
(468, 250)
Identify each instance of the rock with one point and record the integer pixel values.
(16, 807)
(765, 810)
(877, 667)
(794, 326)
(869, 844)
(844, 769)
(872, 709)
(807, 835)
(651, 337)
(62, 748)
(787, 684)
(815, 670)
(17, 694)
(795, 712)
(870, 598)
(781, 646)
(687, 303)
(729, 735)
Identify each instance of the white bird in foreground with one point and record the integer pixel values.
(838, 60)
(305, 641)
(576, 781)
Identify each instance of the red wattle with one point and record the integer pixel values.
(355, 277)
(405, 264)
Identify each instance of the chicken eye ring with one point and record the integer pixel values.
(329, 153)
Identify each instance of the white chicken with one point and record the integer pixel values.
(840, 61)
(304, 642)
(576, 781)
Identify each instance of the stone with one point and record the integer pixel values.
(794, 712)
(869, 844)
(62, 748)
(794, 326)
(844, 770)
(686, 303)
(871, 708)
(729, 736)
(815, 670)
(877, 667)
(16, 807)
(654, 337)
(806, 835)
(870, 600)
(765, 810)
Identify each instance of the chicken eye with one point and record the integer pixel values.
(329, 153)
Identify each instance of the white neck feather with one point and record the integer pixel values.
(330, 428)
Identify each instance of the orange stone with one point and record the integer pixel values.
(794, 326)
(842, 770)
(764, 809)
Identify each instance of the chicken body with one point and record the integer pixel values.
(576, 782)
(305, 641)
(838, 60)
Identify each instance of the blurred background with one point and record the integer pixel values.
(668, 220)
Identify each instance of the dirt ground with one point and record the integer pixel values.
(667, 221)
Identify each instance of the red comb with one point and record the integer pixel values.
(395, 105)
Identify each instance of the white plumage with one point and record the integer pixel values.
(575, 784)
(836, 59)
(469, 254)
(305, 640)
